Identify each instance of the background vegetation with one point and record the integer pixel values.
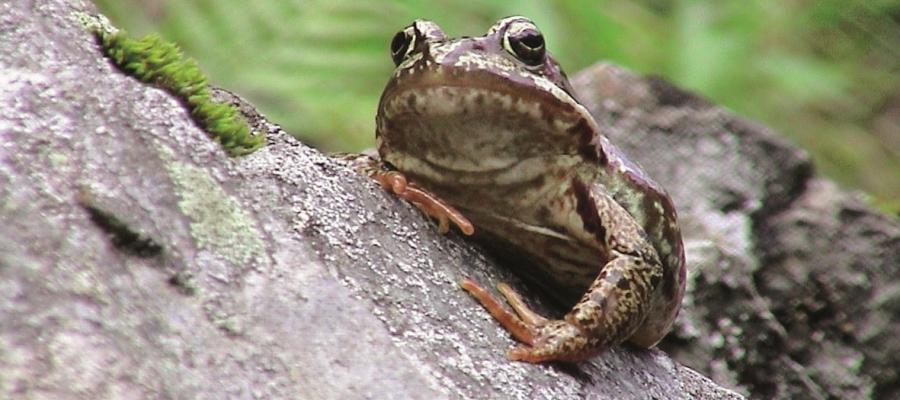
(826, 73)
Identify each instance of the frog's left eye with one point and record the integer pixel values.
(402, 44)
(524, 41)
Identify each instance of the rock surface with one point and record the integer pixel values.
(794, 284)
(138, 261)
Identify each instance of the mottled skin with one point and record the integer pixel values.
(489, 126)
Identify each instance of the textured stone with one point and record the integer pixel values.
(793, 283)
(138, 261)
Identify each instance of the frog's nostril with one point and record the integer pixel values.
(478, 47)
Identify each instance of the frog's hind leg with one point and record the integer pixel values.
(608, 313)
(544, 339)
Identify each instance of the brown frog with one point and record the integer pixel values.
(486, 132)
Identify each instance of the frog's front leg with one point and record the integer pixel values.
(397, 184)
(610, 311)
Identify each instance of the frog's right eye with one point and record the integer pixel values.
(524, 41)
(403, 44)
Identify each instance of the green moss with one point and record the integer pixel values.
(161, 63)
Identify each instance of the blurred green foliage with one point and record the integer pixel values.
(824, 73)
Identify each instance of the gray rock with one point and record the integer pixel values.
(138, 261)
(793, 284)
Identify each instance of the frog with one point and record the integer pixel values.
(486, 133)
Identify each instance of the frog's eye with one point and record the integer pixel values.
(402, 44)
(525, 42)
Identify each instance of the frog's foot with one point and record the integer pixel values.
(544, 340)
(431, 205)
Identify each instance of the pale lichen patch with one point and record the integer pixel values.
(94, 22)
(218, 223)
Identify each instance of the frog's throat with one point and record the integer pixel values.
(427, 167)
(481, 130)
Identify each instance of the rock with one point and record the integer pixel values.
(793, 284)
(137, 260)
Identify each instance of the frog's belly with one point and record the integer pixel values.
(558, 263)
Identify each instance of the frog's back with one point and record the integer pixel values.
(652, 208)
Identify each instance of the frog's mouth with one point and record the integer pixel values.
(477, 121)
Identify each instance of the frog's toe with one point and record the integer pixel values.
(518, 328)
(556, 341)
(520, 353)
(515, 301)
(528, 354)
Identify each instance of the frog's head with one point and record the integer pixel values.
(473, 105)
(513, 47)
